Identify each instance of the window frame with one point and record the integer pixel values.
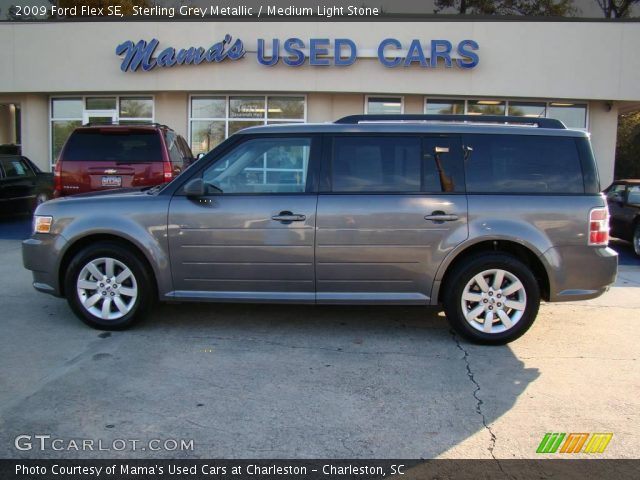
(227, 118)
(367, 97)
(508, 101)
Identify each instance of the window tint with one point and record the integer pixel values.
(376, 164)
(522, 164)
(443, 170)
(267, 165)
(16, 167)
(114, 146)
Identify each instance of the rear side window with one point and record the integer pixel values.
(376, 164)
(16, 167)
(522, 164)
(113, 146)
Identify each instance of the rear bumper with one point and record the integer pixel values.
(39, 254)
(580, 272)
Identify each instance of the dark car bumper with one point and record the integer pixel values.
(39, 254)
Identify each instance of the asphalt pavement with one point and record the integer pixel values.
(270, 381)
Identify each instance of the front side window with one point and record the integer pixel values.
(262, 165)
(376, 164)
(522, 164)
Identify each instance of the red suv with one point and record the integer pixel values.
(101, 157)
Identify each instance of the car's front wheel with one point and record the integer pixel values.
(107, 286)
(636, 238)
(491, 298)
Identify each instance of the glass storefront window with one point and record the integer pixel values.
(528, 109)
(60, 131)
(572, 115)
(136, 108)
(486, 107)
(235, 125)
(213, 118)
(208, 107)
(246, 107)
(444, 107)
(285, 108)
(66, 108)
(384, 105)
(100, 103)
(206, 134)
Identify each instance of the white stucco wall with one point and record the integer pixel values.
(517, 59)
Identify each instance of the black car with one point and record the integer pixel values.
(23, 186)
(623, 197)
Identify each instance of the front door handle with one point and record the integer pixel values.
(288, 217)
(439, 217)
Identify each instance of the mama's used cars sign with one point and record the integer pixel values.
(294, 52)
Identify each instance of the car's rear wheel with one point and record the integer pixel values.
(491, 298)
(107, 286)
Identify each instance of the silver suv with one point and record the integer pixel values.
(484, 216)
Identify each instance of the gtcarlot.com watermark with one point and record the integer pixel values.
(43, 442)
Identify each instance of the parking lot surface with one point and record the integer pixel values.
(265, 381)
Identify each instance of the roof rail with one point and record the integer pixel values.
(531, 121)
(128, 124)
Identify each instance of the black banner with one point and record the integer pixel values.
(582, 469)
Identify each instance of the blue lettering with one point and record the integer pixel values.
(415, 54)
(470, 59)
(236, 51)
(393, 62)
(166, 58)
(338, 58)
(316, 50)
(295, 56)
(136, 55)
(275, 54)
(441, 49)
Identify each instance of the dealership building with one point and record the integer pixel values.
(208, 80)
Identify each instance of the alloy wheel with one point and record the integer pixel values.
(493, 301)
(107, 288)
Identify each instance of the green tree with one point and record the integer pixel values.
(543, 8)
(616, 8)
(628, 146)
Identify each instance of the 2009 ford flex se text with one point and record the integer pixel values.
(485, 216)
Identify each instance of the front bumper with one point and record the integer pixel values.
(40, 255)
(580, 272)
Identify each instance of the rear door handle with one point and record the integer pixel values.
(439, 217)
(287, 217)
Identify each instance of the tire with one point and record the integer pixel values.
(636, 238)
(100, 300)
(512, 314)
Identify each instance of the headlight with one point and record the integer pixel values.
(42, 224)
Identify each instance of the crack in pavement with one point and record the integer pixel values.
(479, 402)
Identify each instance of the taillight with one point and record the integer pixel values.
(57, 179)
(168, 171)
(599, 227)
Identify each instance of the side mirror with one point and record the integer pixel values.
(194, 188)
